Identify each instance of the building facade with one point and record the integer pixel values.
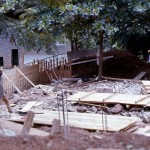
(10, 54)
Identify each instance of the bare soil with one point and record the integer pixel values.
(77, 140)
(122, 65)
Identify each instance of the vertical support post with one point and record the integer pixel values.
(62, 97)
(27, 124)
(22, 57)
(100, 55)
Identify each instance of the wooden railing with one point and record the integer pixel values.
(41, 71)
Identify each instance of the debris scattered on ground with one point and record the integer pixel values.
(116, 109)
(49, 102)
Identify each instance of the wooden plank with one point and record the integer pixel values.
(82, 62)
(144, 91)
(17, 89)
(27, 124)
(17, 128)
(50, 79)
(143, 131)
(140, 75)
(88, 94)
(38, 104)
(142, 99)
(87, 61)
(146, 83)
(108, 98)
(25, 77)
(83, 120)
(53, 71)
(103, 107)
(28, 106)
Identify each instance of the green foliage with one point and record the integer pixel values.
(133, 25)
(54, 3)
(46, 21)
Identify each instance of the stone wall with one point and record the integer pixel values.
(6, 52)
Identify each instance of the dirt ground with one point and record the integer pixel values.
(77, 140)
(122, 65)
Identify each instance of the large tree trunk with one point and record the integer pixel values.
(100, 55)
(72, 47)
(75, 45)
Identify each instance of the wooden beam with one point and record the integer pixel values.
(17, 89)
(48, 75)
(30, 81)
(103, 107)
(28, 106)
(144, 91)
(140, 75)
(87, 61)
(24, 76)
(27, 124)
(55, 74)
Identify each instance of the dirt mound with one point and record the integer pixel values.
(122, 65)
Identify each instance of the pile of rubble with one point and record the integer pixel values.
(48, 101)
(44, 98)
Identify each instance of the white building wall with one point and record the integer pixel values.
(6, 52)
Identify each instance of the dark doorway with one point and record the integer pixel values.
(15, 58)
(1, 61)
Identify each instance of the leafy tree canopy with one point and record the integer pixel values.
(45, 21)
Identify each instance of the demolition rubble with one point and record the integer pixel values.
(40, 101)
(50, 112)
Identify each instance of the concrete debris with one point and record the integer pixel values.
(116, 109)
(36, 91)
(104, 90)
(56, 81)
(124, 87)
(79, 81)
(145, 116)
(93, 109)
(71, 109)
(15, 98)
(81, 109)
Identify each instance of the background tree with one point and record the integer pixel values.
(84, 23)
(133, 34)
